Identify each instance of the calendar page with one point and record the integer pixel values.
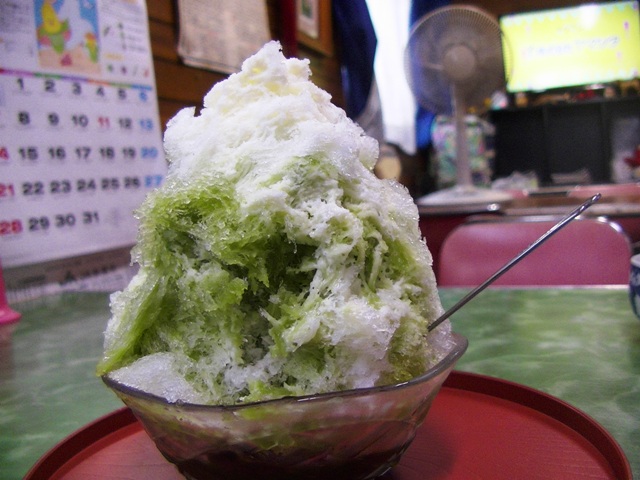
(80, 140)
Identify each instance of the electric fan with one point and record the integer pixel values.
(454, 64)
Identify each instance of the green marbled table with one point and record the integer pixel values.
(581, 345)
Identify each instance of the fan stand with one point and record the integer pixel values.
(464, 192)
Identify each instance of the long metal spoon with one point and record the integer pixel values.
(462, 302)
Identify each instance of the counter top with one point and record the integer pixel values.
(580, 345)
(537, 204)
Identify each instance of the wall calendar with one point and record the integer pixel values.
(80, 140)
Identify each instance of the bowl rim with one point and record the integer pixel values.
(460, 344)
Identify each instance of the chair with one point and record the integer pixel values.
(586, 251)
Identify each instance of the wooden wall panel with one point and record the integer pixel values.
(179, 85)
(164, 40)
(162, 10)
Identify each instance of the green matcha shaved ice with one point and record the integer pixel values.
(272, 260)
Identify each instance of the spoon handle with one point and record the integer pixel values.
(513, 261)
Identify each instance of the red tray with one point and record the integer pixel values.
(478, 427)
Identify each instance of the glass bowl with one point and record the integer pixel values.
(351, 434)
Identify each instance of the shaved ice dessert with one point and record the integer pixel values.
(273, 262)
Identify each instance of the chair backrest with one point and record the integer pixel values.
(587, 251)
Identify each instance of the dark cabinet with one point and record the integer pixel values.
(561, 138)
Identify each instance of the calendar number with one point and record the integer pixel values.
(107, 153)
(10, 227)
(65, 220)
(57, 153)
(125, 123)
(30, 189)
(110, 183)
(7, 190)
(28, 153)
(53, 119)
(39, 224)
(131, 182)
(152, 181)
(24, 118)
(129, 153)
(80, 120)
(50, 85)
(149, 152)
(104, 122)
(146, 124)
(57, 187)
(90, 217)
(82, 153)
(84, 185)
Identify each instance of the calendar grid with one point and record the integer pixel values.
(80, 140)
